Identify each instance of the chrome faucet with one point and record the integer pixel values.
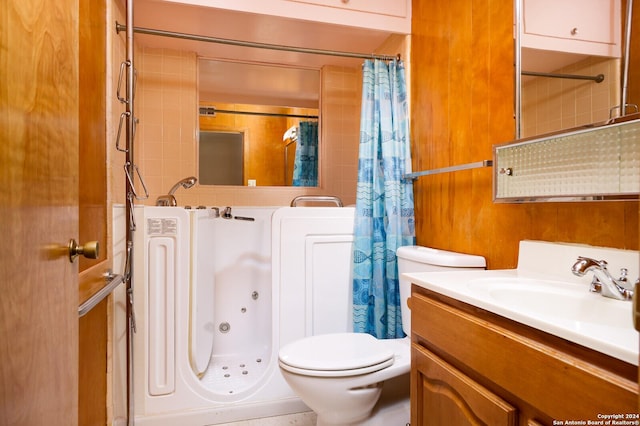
(170, 199)
(603, 282)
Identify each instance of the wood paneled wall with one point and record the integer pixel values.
(92, 189)
(462, 95)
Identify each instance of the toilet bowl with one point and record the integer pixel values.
(340, 375)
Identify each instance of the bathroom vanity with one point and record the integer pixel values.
(471, 365)
(475, 362)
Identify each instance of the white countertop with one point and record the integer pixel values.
(559, 307)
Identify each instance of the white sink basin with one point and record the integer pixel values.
(556, 300)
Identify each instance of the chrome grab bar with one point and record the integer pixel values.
(113, 281)
(468, 166)
(130, 178)
(317, 198)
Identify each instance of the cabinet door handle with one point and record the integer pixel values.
(574, 31)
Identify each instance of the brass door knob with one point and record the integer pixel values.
(90, 250)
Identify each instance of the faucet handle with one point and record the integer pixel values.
(623, 275)
(596, 285)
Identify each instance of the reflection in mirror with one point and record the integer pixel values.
(267, 144)
(552, 104)
(562, 41)
(265, 106)
(220, 157)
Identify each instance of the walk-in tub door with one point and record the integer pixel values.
(161, 268)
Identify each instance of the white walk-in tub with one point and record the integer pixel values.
(216, 298)
(204, 350)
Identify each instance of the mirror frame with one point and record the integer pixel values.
(517, 64)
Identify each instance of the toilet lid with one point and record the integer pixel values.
(341, 354)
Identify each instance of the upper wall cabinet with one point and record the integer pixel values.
(398, 8)
(383, 15)
(358, 26)
(587, 27)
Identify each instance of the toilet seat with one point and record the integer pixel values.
(336, 355)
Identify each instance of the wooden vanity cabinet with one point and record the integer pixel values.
(445, 395)
(470, 366)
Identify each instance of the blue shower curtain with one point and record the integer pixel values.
(305, 166)
(384, 201)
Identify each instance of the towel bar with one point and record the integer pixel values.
(112, 282)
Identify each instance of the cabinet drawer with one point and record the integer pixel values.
(397, 8)
(511, 356)
(446, 396)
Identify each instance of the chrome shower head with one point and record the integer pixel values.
(186, 183)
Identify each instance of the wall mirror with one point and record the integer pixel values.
(259, 80)
(569, 64)
(264, 107)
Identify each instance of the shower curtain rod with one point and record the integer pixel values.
(185, 36)
(597, 78)
(213, 111)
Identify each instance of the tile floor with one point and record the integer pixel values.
(299, 419)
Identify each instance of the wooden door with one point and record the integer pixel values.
(38, 212)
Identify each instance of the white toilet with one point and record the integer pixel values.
(340, 375)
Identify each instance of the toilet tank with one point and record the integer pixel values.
(426, 259)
